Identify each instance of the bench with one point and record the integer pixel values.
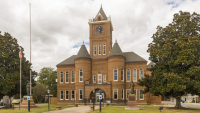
(58, 107)
(91, 107)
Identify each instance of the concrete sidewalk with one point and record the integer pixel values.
(79, 109)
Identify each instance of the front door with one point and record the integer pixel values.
(99, 79)
(97, 97)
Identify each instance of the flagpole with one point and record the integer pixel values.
(20, 55)
(30, 47)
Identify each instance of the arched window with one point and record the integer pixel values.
(115, 74)
(61, 77)
(134, 75)
(141, 73)
(67, 77)
(72, 81)
(99, 49)
(81, 75)
(128, 78)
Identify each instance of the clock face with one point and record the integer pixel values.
(99, 30)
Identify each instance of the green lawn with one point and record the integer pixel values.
(143, 109)
(43, 108)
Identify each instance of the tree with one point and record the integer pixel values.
(39, 92)
(47, 76)
(175, 52)
(10, 67)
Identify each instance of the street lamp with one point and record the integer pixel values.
(48, 99)
(93, 98)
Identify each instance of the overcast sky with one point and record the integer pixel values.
(59, 27)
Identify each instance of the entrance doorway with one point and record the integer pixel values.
(99, 92)
(95, 95)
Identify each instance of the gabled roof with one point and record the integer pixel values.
(133, 57)
(116, 50)
(83, 53)
(68, 61)
(150, 65)
(102, 14)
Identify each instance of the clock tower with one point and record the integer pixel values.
(100, 35)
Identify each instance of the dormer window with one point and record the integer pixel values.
(99, 18)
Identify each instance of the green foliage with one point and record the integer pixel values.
(39, 92)
(47, 76)
(10, 67)
(175, 51)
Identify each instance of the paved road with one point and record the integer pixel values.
(187, 105)
(79, 109)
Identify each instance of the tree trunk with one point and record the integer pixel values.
(178, 102)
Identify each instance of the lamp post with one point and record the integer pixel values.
(93, 99)
(48, 99)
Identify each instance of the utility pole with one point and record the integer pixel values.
(20, 56)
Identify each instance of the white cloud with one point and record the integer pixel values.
(57, 26)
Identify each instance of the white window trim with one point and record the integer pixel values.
(127, 75)
(123, 75)
(66, 94)
(104, 45)
(71, 77)
(62, 77)
(104, 80)
(114, 94)
(98, 78)
(114, 74)
(60, 94)
(66, 76)
(136, 94)
(123, 94)
(139, 94)
(95, 49)
(99, 48)
(133, 76)
(127, 93)
(80, 75)
(80, 95)
(94, 81)
(139, 73)
(71, 95)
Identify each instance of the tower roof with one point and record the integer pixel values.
(101, 12)
(83, 53)
(116, 50)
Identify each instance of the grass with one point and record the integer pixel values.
(42, 108)
(144, 109)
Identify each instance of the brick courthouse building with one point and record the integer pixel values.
(106, 70)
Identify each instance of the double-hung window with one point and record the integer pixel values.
(81, 76)
(80, 94)
(104, 78)
(127, 93)
(135, 92)
(122, 74)
(141, 73)
(72, 95)
(134, 75)
(67, 77)
(61, 95)
(128, 78)
(61, 77)
(99, 49)
(115, 93)
(95, 49)
(104, 49)
(141, 94)
(115, 74)
(72, 77)
(67, 95)
(94, 79)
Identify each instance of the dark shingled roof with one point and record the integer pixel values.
(133, 57)
(116, 50)
(68, 61)
(83, 53)
(150, 64)
(102, 14)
